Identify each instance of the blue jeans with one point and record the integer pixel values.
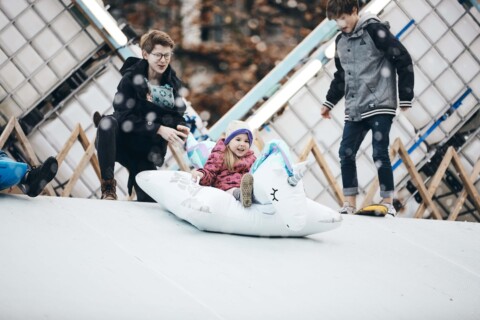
(353, 135)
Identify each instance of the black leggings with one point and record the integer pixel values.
(110, 150)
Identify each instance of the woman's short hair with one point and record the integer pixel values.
(150, 39)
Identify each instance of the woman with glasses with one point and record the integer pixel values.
(148, 114)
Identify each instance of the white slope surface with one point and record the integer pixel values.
(64, 258)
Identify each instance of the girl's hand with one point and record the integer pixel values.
(196, 175)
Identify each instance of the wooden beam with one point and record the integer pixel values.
(463, 196)
(417, 179)
(7, 131)
(435, 181)
(93, 159)
(178, 157)
(313, 147)
(78, 170)
(258, 141)
(68, 145)
(468, 185)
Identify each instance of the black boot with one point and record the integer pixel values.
(109, 189)
(38, 177)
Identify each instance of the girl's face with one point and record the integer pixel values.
(159, 58)
(347, 22)
(239, 145)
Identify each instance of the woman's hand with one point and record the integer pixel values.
(174, 136)
(196, 175)
(185, 130)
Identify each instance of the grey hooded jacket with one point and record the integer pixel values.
(368, 61)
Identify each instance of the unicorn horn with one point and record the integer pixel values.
(293, 180)
(300, 171)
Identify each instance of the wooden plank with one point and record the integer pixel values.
(328, 174)
(463, 196)
(417, 179)
(68, 145)
(7, 131)
(258, 141)
(78, 171)
(22, 138)
(435, 181)
(468, 185)
(93, 160)
(176, 154)
(307, 150)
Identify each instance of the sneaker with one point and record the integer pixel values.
(347, 209)
(38, 177)
(109, 189)
(246, 190)
(391, 209)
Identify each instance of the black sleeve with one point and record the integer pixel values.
(337, 86)
(138, 115)
(398, 55)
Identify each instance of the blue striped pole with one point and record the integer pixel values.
(435, 125)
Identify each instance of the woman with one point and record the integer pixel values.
(148, 114)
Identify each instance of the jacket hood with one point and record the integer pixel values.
(129, 64)
(364, 20)
(140, 66)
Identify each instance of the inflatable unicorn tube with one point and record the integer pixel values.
(11, 172)
(281, 208)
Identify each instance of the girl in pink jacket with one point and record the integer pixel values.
(229, 163)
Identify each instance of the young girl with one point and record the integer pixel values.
(229, 162)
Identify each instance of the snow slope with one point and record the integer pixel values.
(65, 258)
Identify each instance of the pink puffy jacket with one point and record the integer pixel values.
(216, 173)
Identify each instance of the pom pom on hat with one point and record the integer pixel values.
(237, 127)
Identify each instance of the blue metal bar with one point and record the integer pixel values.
(326, 30)
(404, 29)
(422, 138)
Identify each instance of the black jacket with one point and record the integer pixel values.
(139, 119)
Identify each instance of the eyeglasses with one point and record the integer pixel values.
(159, 56)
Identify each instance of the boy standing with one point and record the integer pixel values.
(367, 57)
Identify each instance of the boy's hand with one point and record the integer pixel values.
(404, 109)
(196, 175)
(325, 112)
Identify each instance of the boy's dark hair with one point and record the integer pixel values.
(335, 8)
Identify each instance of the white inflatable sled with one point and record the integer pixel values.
(283, 209)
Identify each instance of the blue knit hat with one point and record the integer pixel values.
(237, 127)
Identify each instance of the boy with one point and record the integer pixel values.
(368, 58)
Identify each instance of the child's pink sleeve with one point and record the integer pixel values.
(213, 165)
